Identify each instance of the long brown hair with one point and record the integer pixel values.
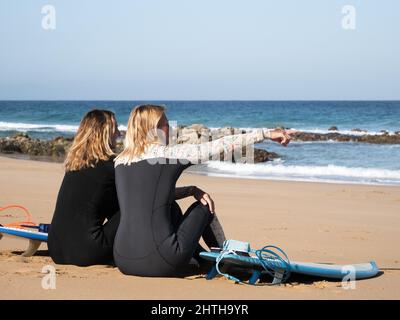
(141, 131)
(92, 141)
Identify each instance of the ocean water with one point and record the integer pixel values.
(348, 162)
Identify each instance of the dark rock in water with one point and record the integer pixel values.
(20, 136)
(57, 148)
(249, 155)
(198, 127)
(197, 133)
(226, 131)
(8, 146)
(261, 155)
(380, 139)
(60, 146)
(334, 136)
(358, 130)
(63, 140)
(22, 143)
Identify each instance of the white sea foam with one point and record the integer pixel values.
(293, 172)
(347, 132)
(19, 126)
(324, 131)
(41, 127)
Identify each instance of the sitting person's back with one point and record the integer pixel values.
(86, 198)
(152, 239)
(78, 233)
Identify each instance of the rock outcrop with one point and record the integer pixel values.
(384, 138)
(198, 133)
(57, 148)
(22, 143)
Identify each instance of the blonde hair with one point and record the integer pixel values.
(92, 141)
(141, 131)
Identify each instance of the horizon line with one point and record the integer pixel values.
(207, 100)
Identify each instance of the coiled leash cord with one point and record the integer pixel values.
(272, 258)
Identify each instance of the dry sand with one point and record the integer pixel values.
(313, 222)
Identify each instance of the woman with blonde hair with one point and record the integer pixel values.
(154, 238)
(78, 233)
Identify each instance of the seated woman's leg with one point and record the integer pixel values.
(188, 232)
(198, 222)
(213, 234)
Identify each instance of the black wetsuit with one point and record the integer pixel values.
(77, 233)
(154, 238)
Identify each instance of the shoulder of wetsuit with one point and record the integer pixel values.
(108, 167)
(106, 163)
(181, 162)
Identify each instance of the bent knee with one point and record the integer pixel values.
(204, 207)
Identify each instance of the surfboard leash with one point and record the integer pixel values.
(19, 224)
(272, 258)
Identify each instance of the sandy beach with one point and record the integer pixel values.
(314, 222)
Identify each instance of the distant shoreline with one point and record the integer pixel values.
(327, 157)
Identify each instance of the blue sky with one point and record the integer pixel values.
(200, 50)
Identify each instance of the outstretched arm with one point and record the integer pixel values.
(204, 151)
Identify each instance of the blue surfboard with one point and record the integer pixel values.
(331, 271)
(35, 238)
(23, 233)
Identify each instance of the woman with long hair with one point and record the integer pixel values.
(86, 215)
(154, 238)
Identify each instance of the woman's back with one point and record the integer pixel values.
(146, 242)
(86, 198)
